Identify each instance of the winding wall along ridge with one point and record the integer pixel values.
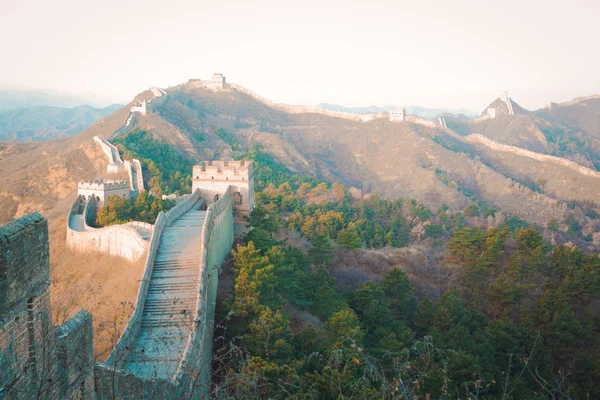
(293, 109)
(477, 138)
(118, 240)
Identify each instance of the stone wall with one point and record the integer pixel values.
(477, 138)
(217, 238)
(117, 240)
(309, 109)
(37, 361)
(336, 114)
(121, 350)
(127, 165)
(193, 376)
(115, 162)
(139, 177)
(113, 383)
(75, 356)
(214, 178)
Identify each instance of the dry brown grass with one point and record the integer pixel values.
(420, 263)
(43, 177)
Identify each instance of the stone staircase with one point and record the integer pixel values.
(170, 306)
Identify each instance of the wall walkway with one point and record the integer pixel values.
(167, 344)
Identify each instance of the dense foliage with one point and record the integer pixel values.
(522, 322)
(144, 208)
(168, 170)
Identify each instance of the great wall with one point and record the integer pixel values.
(477, 138)
(165, 352)
(298, 109)
(129, 240)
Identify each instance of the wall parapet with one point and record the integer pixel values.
(112, 153)
(75, 355)
(112, 383)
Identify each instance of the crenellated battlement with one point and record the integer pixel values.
(214, 178)
(216, 82)
(101, 190)
(224, 170)
(102, 185)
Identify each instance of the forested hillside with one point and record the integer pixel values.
(519, 319)
(521, 323)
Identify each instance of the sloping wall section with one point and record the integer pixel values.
(217, 239)
(118, 240)
(477, 138)
(114, 158)
(121, 350)
(192, 379)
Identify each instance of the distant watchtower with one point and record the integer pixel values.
(140, 108)
(214, 177)
(398, 115)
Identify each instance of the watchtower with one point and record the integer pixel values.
(141, 107)
(101, 190)
(398, 115)
(213, 178)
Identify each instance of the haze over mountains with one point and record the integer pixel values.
(439, 166)
(38, 123)
(34, 115)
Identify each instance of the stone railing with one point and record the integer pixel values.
(477, 138)
(216, 240)
(74, 354)
(121, 351)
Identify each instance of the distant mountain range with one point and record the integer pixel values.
(15, 97)
(414, 110)
(32, 115)
(33, 124)
(496, 164)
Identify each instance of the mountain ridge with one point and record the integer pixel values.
(49, 122)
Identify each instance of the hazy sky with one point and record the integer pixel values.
(433, 53)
